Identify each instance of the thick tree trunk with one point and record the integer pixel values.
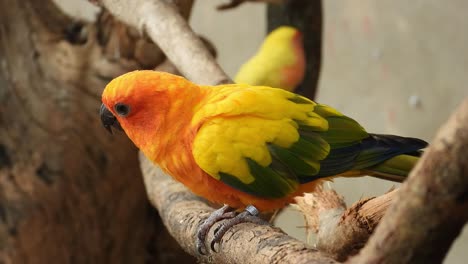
(69, 192)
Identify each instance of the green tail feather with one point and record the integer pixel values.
(394, 169)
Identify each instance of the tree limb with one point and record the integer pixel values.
(431, 207)
(161, 21)
(342, 232)
(182, 213)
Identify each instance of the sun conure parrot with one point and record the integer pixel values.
(243, 145)
(280, 61)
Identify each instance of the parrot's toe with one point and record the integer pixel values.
(220, 214)
(249, 215)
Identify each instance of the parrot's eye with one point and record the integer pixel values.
(122, 109)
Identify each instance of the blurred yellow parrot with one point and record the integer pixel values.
(280, 61)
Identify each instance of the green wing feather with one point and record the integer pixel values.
(268, 182)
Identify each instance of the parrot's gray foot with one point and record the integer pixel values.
(249, 215)
(220, 214)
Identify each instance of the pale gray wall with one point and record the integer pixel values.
(236, 33)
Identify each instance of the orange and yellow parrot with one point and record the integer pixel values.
(280, 61)
(243, 145)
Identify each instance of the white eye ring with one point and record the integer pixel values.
(122, 109)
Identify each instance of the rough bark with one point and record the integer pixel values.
(431, 207)
(69, 193)
(342, 232)
(306, 15)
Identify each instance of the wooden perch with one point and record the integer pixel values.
(168, 66)
(431, 207)
(342, 232)
(182, 213)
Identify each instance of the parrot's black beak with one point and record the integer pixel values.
(108, 119)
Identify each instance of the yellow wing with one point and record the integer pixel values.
(233, 144)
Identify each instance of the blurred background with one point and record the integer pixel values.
(395, 66)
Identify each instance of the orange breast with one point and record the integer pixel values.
(181, 165)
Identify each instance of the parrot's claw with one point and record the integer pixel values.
(249, 215)
(220, 214)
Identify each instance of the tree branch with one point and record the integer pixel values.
(161, 21)
(431, 207)
(342, 232)
(183, 212)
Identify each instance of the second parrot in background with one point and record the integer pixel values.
(280, 61)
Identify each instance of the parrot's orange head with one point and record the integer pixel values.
(139, 101)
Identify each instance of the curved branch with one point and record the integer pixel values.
(183, 212)
(161, 21)
(431, 207)
(342, 232)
